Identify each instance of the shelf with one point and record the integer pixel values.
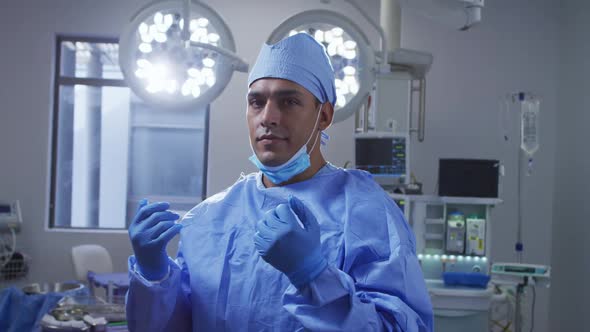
(434, 221)
(418, 198)
(441, 200)
(471, 200)
(430, 236)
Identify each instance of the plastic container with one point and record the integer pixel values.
(455, 233)
(529, 125)
(470, 279)
(475, 236)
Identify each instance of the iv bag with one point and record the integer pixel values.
(529, 125)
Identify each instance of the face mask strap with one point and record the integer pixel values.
(313, 130)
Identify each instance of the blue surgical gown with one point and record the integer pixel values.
(218, 282)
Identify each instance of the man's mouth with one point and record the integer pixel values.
(269, 138)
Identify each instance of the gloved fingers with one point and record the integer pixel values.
(303, 213)
(287, 215)
(147, 210)
(169, 233)
(141, 204)
(160, 228)
(264, 231)
(274, 223)
(272, 217)
(158, 217)
(297, 206)
(262, 244)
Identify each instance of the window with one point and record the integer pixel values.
(110, 149)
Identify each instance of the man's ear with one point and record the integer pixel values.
(327, 116)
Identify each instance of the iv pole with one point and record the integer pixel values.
(521, 98)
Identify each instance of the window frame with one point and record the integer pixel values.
(58, 82)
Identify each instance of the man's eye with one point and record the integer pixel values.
(256, 103)
(292, 102)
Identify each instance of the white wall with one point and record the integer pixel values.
(571, 266)
(514, 49)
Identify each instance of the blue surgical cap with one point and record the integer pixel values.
(301, 59)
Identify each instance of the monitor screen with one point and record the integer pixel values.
(5, 209)
(382, 156)
(468, 177)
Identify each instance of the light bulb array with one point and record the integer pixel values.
(189, 71)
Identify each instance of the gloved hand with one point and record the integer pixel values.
(291, 249)
(150, 231)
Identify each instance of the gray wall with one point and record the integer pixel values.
(569, 291)
(516, 48)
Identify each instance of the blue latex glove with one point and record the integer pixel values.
(151, 230)
(291, 249)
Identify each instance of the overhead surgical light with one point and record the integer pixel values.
(351, 55)
(178, 53)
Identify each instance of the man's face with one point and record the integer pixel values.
(281, 117)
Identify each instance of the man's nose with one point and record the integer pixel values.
(271, 115)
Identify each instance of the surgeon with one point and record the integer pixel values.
(300, 245)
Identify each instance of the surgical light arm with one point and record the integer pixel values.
(237, 63)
